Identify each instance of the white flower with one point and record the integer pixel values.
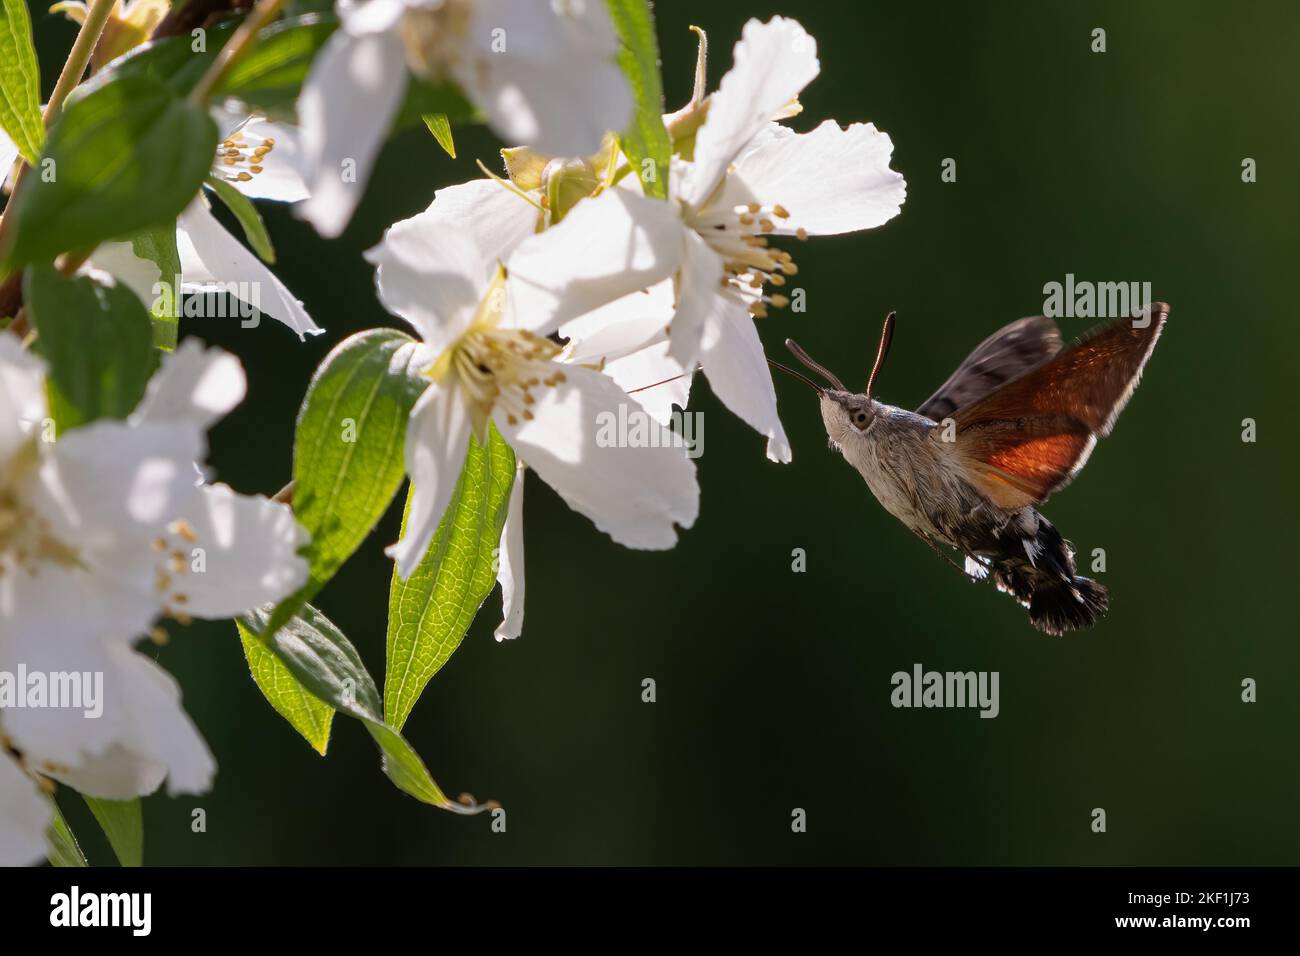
(750, 179)
(262, 160)
(541, 191)
(102, 532)
(487, 362)
(543, 73)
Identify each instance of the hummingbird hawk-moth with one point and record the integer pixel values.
(1014, 423)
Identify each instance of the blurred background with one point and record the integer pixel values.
(773, 687)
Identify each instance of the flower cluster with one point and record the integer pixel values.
(539, 315)
(104, 532)
(594, 278)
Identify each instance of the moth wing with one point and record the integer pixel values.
(1007, 353)
(1030, 436)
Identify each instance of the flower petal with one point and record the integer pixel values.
(22, 395)
(772, 63)
(166, 733)
(433, 268)
(510, 564)
(109, 475)
(59, 603)
(63, 725)
(26, 815)
(239, 552)
(193, 384)
(621, 327)
(117, 773)
(830, 180)
(118, 260)
(555, 86)
(437, 440)
(633, 487)
(606, 248)
(697, 299)
(235, 270)
(734, 363)
(348, 101)
(230, 117)
(361, 17)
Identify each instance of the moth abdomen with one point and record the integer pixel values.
(1068, 606)
(1038, 571)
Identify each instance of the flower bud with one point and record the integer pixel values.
(567, 181)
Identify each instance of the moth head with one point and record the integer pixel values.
(847, 415)
(844, 411)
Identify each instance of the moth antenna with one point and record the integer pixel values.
(809, 361)
(803, 378)
(886, 339)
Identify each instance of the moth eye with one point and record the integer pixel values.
(860, 418)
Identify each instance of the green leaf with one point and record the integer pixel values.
(271, 75)
(20, 81)
(97, 341)
(429, 612)
(347, 454)
(647, 138)
(320, 658)
(325, 663)
(440, 127)
(130, 156)
(249, 218)
(158, 246)
(305, 712)
(172, 61)
(267, 78)
(123, 823)
(403, 766)
(61, 845)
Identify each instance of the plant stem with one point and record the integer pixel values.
(239, 45)
(75, 65)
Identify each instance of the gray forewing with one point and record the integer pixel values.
(1007, 353)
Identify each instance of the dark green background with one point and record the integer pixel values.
(773, 687)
